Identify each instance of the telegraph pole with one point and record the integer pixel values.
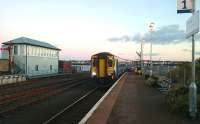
(151, 66)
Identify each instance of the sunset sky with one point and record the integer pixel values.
(84, 27)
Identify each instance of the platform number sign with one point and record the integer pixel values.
(184, 6)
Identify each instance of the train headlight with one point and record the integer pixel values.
(94, 74)
(109, 74)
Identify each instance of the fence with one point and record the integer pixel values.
(9, 79)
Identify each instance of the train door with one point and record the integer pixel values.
(102, 67)
(116, 68)
(110, 66)
(94, 67)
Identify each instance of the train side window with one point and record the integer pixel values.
(110, 63)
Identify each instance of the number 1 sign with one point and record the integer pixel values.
(184, 6)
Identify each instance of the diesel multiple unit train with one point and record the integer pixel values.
(106, 66)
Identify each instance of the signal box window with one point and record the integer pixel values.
(36, 67)
(15, 50)
(110, 63)
(50, 67)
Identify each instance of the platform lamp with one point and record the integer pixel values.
(151, 30)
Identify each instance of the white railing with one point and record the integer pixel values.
(9, 79)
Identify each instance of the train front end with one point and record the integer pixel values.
(102, 67)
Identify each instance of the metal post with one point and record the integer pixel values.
(170, 77)
(151, 71)
(184, 77)
(141, 55)
(26, 61)
(192, 87)
(10, 50)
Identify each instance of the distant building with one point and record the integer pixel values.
(32, 57)
(81, 66)
(4, 65)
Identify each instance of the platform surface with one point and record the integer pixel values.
(132, 102)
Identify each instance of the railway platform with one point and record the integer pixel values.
(130, 101)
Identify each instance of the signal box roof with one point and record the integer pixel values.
(25, 40)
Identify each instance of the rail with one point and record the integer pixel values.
(54, 117)
(36, 95)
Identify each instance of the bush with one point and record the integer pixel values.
(154, 77)
(146, 76)
(152, 82)
(178, 100)
(198, 86)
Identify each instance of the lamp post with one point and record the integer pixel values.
(193, 87)
(151, 29)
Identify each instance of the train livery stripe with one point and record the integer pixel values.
(90, 113)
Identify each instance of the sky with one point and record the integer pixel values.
(85, 27)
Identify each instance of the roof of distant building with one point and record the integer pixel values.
(25, 40)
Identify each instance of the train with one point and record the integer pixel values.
(107, 67)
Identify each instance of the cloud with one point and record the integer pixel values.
(186, 50)
(164, 35)
(189, 50)
(153, 54)
(197, 53)
(124, 38)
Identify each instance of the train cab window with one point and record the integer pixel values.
(94, 62)
(110, 63)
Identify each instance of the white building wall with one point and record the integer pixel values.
(40, 56)
(46, 60)
(43, 64)
(19, 58)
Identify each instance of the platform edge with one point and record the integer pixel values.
(89, 114)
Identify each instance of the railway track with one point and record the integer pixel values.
(12, 88)
(29, 82)
(20, 92)
(22, 99)
(39, 110)
(56, 116)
